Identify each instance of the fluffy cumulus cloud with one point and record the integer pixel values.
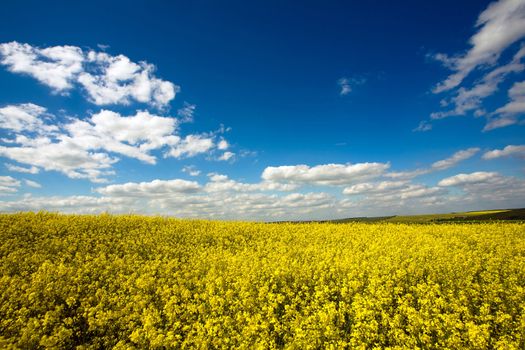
(68, 204)
(327, 174)
(395, 195)
(508, 151)
(227, 156)
(55, 66)
(221, 183)
(150, 189)
(133, 136)
(24, 117)
(106, 79)
(490, 188)
(469, 179)
(499, 26)
(250, 206)
(63, 155)
(191, 145)
(372, 188)
(220, 197)
(87, 148)
(284, 194)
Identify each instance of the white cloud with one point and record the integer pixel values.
(118, 80)
(408, 174)
(191, 170)
(221, 197)
(221, 183)
(24, 117)
(31, 183)
(386, 196)
(466, 179)
(423, 126)
(455, 159)
(249, 205)
(223, 145)
(328, 174)
(56, 67)
(150, 189)
(508, 151)
(409, 194)
(378, 187)
(133, 136)
(227, 156)
(64, 156)
(191, 145)
(491, 189)
(500, 25)
(501, 122)
(346, 84)
(467, 100)
(106, 79)
(69, 204)
(224, 198)
(20, 169)
(186, 112)
(85, 148)
(220, 205)
(509, 114)
(517, 104)
(8, 185)
(443, 164)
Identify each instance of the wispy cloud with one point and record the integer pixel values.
(346, 85)
(191, 170)
(186, 112)
(20, 169)
(439, 165)
(423, 126)
(8, 185)
(499, 26)
(32, 183)
(510, 113)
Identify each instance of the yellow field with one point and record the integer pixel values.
(126, 282)
(430, 217)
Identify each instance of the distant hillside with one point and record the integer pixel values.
(468, 216)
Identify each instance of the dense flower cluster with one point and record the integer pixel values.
(131, 282)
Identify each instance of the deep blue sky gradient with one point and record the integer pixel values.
(269, 70)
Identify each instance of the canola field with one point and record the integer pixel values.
(134, 282)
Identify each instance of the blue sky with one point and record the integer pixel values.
(264, 111)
